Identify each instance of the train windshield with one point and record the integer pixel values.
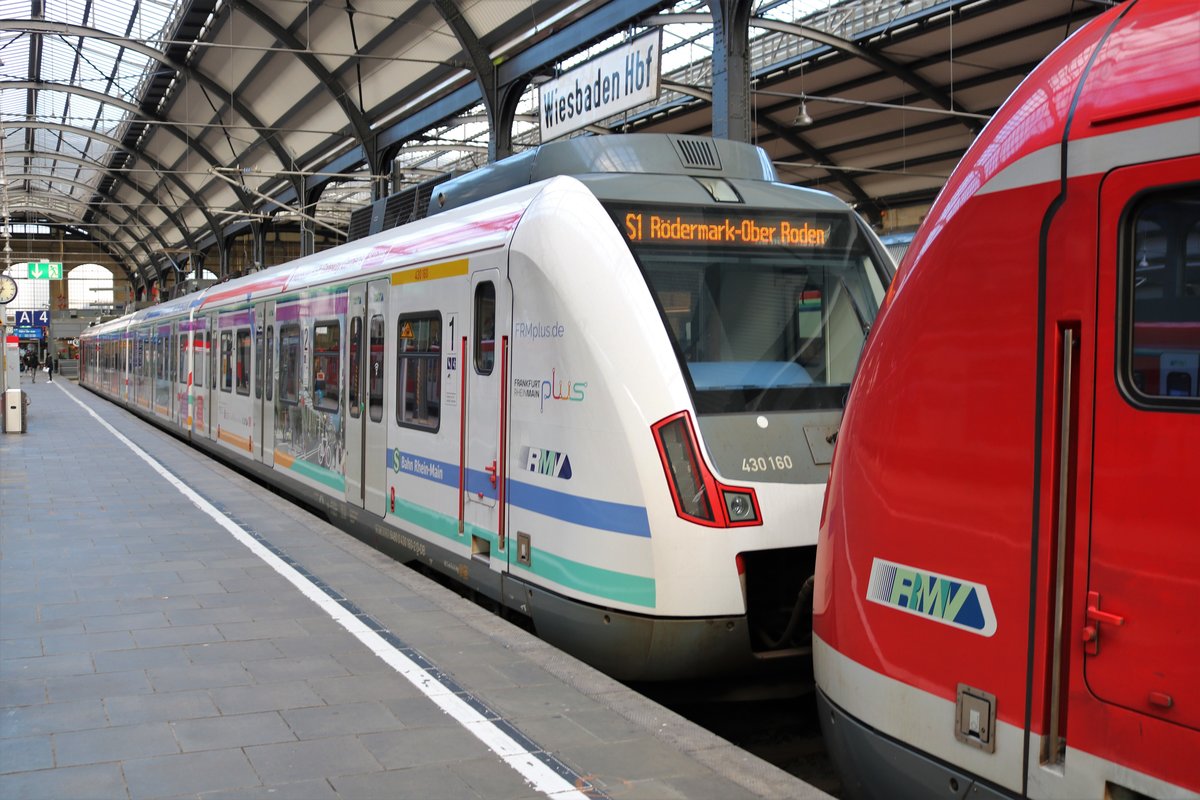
(768, 310)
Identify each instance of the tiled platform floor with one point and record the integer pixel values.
(147, 653)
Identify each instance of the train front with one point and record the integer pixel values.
(709, 330)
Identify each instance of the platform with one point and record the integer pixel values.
(168, 628)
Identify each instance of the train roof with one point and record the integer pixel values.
(624, 154)
(1121, 90)
(489, 202)
(489, 224)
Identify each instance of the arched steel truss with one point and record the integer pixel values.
(498, 83)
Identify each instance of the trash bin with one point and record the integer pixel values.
(15, 404)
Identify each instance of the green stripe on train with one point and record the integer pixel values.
(597, 581)
(326, 476)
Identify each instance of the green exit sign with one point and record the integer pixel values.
(45, 270)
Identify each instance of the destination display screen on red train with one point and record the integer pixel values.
(682, 226)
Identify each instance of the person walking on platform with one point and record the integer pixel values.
(50, 366)
(32, 365)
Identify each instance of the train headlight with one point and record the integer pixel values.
(740, 506)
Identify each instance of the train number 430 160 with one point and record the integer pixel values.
(766, 463)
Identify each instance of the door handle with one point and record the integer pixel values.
(1096, 615)
(1091, 633)
(492, 470)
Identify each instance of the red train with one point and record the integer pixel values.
(1007, 592)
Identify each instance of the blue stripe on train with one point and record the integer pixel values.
(601, 514)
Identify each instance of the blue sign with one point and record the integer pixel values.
(38, 317)
(27, 332)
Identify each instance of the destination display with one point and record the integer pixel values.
(689, 226)
(25, 332)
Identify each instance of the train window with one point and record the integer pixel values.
(289, 363)
(354, 378)
(418, 371)
(1161, 279)
(258, 362)
(485, 328)
(270, 381)
(375, 378)
(327, 364)
(183, 355)
(226, 361)
(199, 355)
(760, 326)
(242, 375)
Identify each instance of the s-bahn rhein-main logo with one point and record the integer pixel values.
(941, 598)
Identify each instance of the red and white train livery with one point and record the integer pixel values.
(1009, 563)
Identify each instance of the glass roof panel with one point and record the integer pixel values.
(102, 64)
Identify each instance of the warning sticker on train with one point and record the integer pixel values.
(940, 598)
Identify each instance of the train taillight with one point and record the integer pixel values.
(692, 484)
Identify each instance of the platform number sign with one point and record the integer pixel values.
(38, 317)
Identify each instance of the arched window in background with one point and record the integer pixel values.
(32, 294)
(90, 286)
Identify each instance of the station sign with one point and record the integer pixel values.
(617, 81)
(45, 270)
(39, 316)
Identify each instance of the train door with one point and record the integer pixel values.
(1142, 594)
(169, 371)
(366, 430)
(355, 407)
(198, 379)
(179, 373)
(254, 377)
(210, 385)
(126, 364)
(266, 381)
(129, 357)
(374, 386)
(487, 380)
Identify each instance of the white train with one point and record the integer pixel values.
(599, 383)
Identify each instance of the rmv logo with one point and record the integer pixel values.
(941, 598)
(546, 462)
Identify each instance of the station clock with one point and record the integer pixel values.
(8, 290)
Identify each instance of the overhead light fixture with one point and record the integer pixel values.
(802, 116)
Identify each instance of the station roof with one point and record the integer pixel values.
(157, 128)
